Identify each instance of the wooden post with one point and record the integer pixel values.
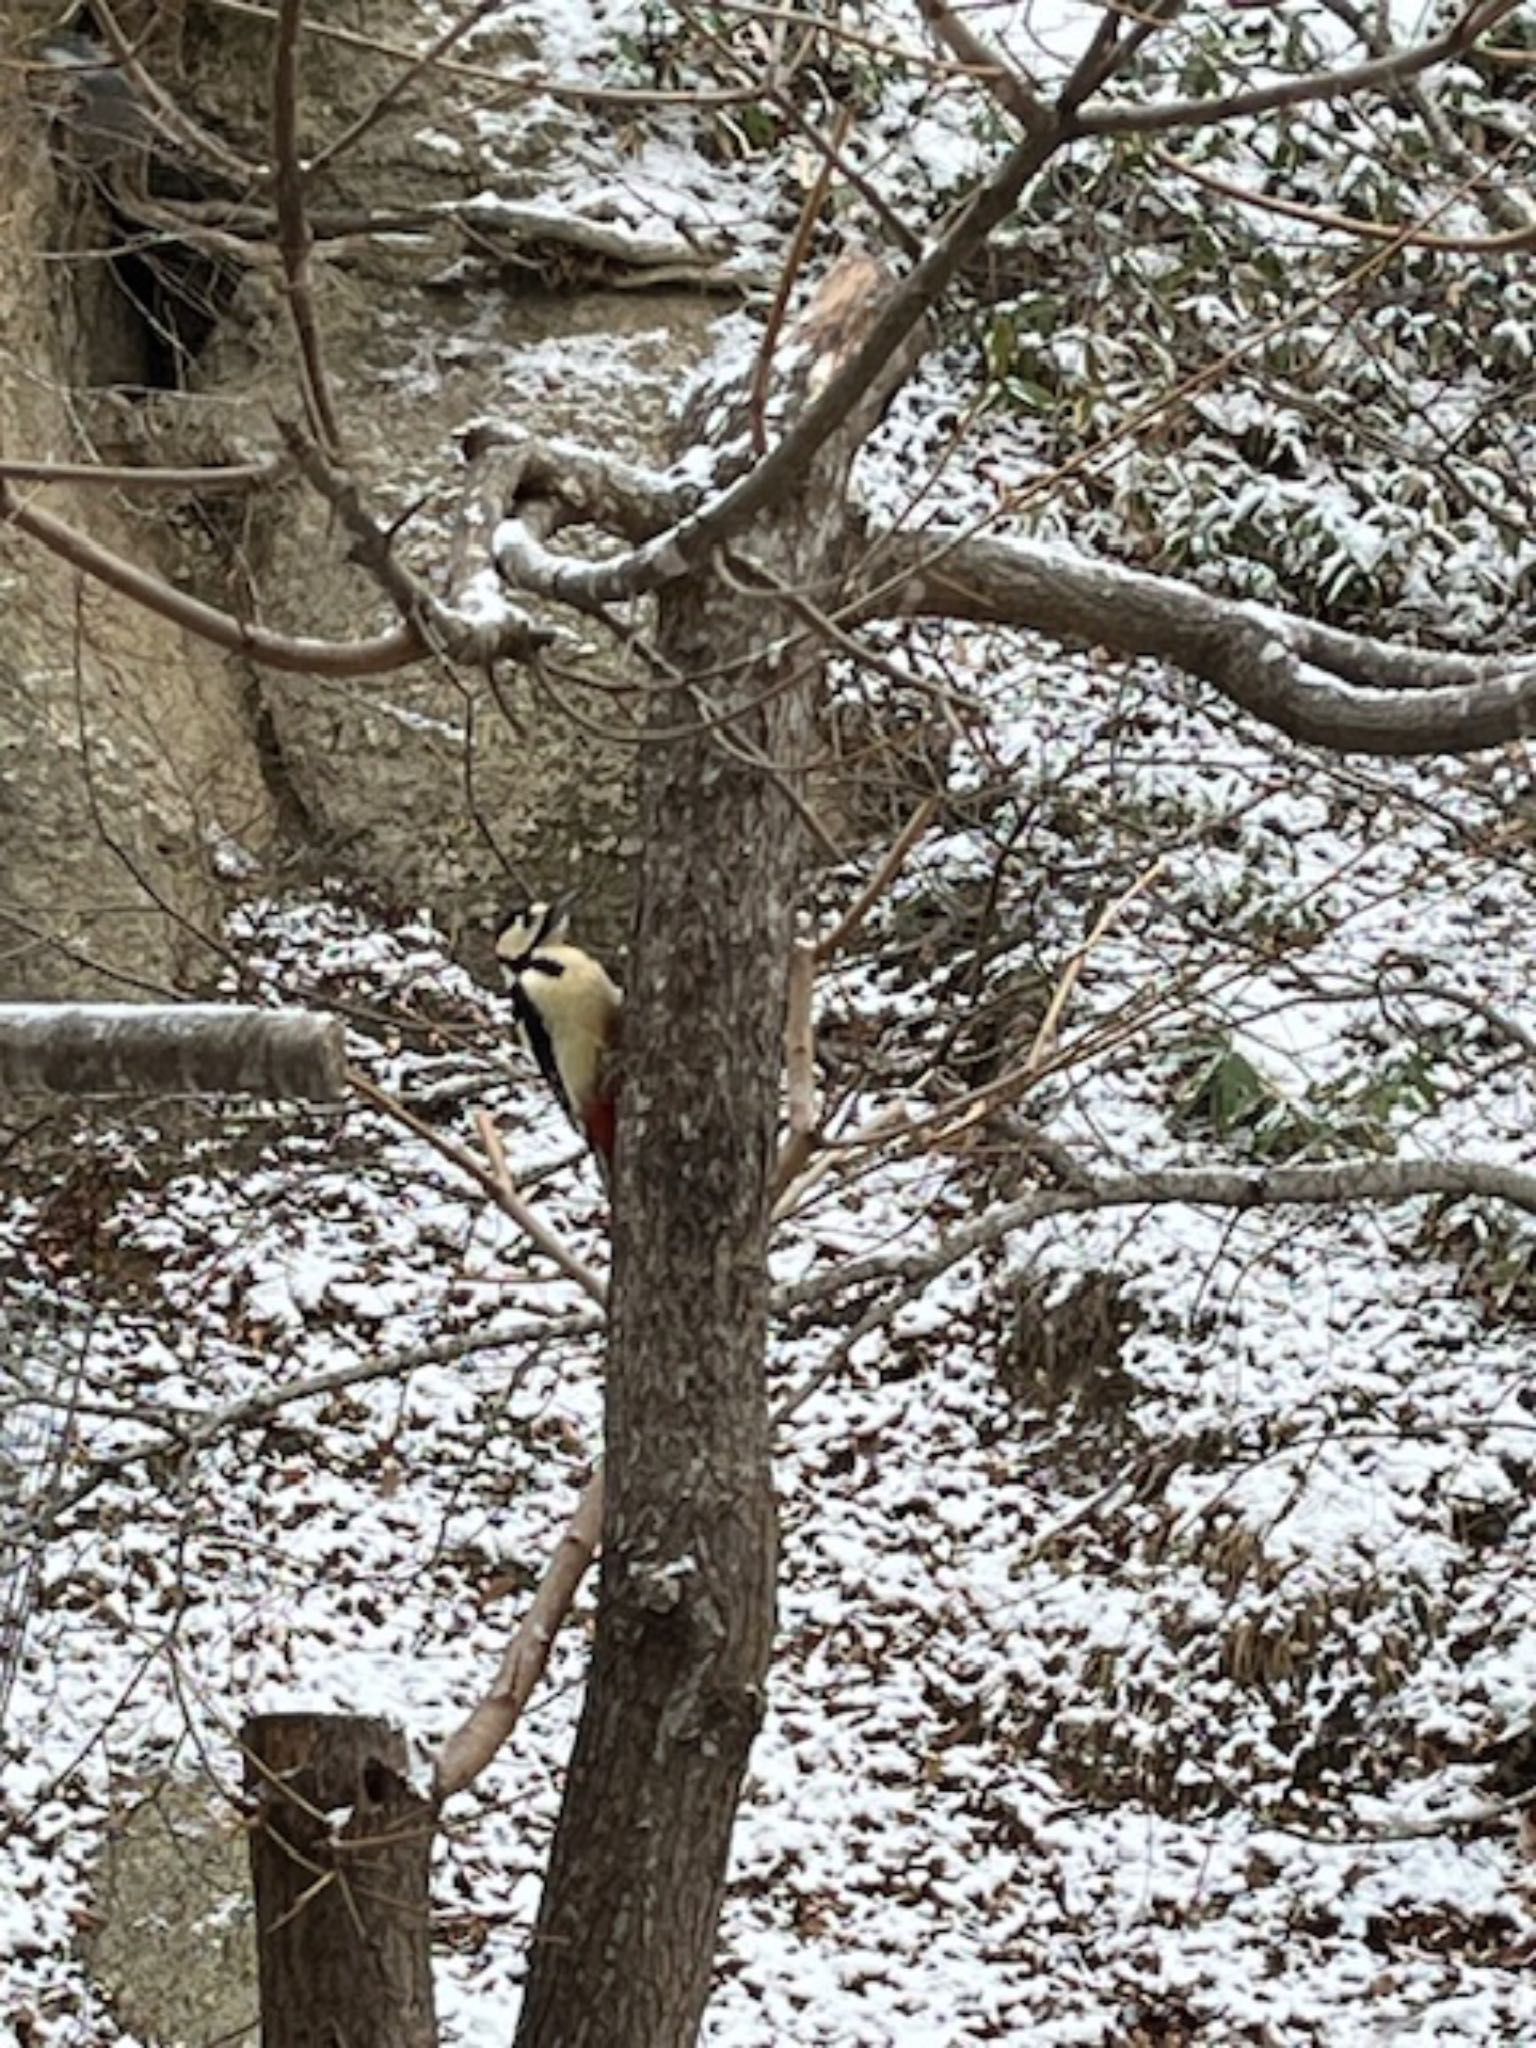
(340, 1848)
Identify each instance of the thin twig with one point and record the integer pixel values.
(164, 110)
(794, 263)
(879, 882)
(506, 1198)
(896, 229)
(371, 116)
(293, 236)
(1007, 84)
(891, 1120)
(1045, 1038)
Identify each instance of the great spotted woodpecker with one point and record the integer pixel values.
(570, 1012)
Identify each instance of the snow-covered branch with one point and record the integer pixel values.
(850, 383)
(1343, 691)
(590, 484)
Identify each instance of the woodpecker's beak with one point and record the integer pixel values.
(556, 919)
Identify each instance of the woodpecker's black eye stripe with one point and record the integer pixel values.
(533, 963)
(537, 965)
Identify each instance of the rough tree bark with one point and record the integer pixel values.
(624, 1947)
(342, 1925)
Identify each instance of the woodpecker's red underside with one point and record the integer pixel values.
(599, 1123)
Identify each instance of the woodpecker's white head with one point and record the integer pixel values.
(525, 928)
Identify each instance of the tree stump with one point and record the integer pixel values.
(340, 1850)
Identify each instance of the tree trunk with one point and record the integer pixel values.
(342, 1927)
(624, 1948)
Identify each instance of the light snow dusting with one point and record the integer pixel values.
(1157, 1616)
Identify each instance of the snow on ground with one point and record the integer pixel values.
(1154, 1582)
(1103, 1680)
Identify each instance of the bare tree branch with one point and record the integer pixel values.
(1480, 1819)
(703, 257)
(181, 1431)
(232, 476)
(879, 882)
(1510, 209)
(192, 1428)
(428, 626)
(1288, 672)
(1399, 234)
(475, 1742)
(506, 1198)
(1237, 1188)
(334, 658)
(370, 117)
(1375, 74)
(1002, 78)
(472, 1745)
(438, 629)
